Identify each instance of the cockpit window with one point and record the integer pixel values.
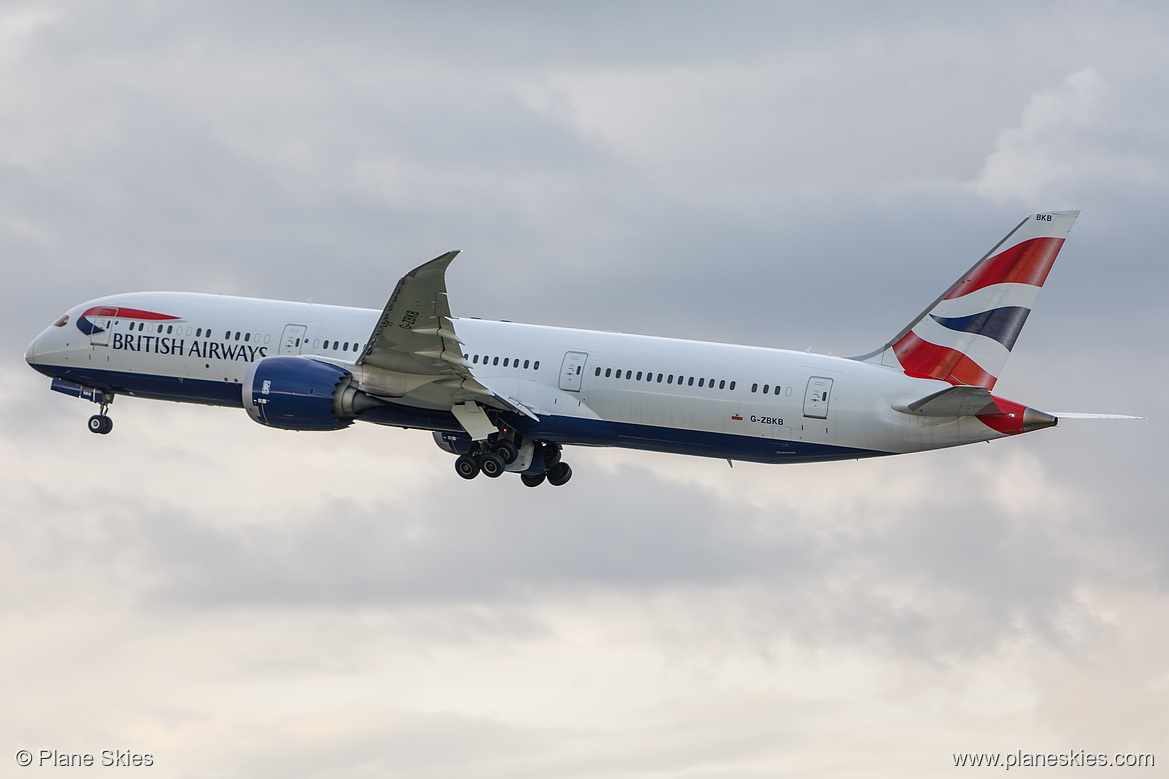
(62, 321)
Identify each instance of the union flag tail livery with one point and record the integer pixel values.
(966, 335)
(510, 397)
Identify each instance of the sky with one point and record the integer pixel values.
(243, 602)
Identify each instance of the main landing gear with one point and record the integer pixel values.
(100, 423)
(491, 458)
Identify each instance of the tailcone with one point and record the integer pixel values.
(1034, 419)
(1011, 418)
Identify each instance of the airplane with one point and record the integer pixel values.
(508, 397)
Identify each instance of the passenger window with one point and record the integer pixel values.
(639, 375)
(722, 383)
(316, 342)
(765, 388)
(475, 359)
(504, 362)
(690, 382)
(495, 361)
(247, 336)
(670, 379)
(659, 378)
(732, 386)
(598, 373)
(755, 387)
(536, 365)
(700, 382)
(777, 390)
(526, 364)
(199, 333)
(169, 329)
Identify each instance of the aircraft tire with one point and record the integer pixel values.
(551, 455)
(507, 450)
(100, 424)
(491, 465)
(467, 467)
(559, 475)
(532, 479)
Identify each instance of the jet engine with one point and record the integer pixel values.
(300, 393)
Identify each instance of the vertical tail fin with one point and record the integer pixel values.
(966, 335)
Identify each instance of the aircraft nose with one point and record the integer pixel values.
(30, 354)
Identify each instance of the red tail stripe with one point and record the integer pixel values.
(1026, 263)
(1009, 422)
(921, 359)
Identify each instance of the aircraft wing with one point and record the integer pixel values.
(414, 334)
(414, 350)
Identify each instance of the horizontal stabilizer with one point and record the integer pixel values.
(959, 401)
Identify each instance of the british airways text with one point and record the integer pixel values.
(207, 350)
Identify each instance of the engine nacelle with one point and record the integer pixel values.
(300, 393)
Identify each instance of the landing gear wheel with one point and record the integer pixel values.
(466, 467)
(532, 479)
(100, 424)
(491, 465)
(551, 455)
(507, 450)
(559, 475)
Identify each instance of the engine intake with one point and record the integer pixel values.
(300, 393)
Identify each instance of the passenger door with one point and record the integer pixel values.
(103, 322)
(816, 397)
(572, 371)
(291, 340)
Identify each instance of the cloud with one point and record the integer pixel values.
(1080, 134)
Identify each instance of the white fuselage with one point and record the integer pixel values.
(585, 387)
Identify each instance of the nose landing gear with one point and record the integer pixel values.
(100, 423)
